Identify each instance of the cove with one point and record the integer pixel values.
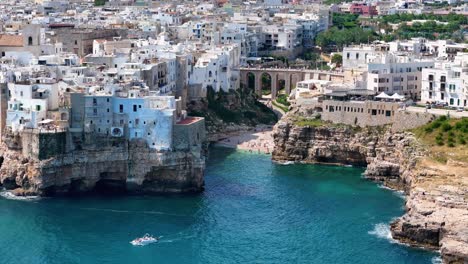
(252, 211)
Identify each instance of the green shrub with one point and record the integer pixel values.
(451, 145)
(439, 142)
(428, 129)
(446, 127)
(436, 124)
(442, 118)
(461, 140)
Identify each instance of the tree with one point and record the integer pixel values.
(99, 2)
(337, 59)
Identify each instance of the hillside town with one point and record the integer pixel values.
(126, 94)
(121, 68)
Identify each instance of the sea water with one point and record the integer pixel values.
(252, 211)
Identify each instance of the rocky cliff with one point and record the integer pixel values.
(119, 166)
(437, 206)
(231, 112)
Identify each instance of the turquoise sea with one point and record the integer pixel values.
(253, 211)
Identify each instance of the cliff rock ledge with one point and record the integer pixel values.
(437, 203)
(106, 165)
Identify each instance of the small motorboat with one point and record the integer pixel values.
(145, 240)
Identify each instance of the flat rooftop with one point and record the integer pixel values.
(189, 120)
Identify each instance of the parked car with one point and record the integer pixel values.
(460, 109)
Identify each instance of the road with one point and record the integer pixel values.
(266, 100)
(438, 112)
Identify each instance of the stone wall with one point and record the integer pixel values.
(40, 146)
(367, 113)
(405, 120)
(186, 136)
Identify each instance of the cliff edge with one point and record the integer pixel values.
(436, 208)
(49, 164)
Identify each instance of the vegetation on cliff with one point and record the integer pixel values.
(239, 107)
(446, 138)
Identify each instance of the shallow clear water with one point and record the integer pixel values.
(253, 211)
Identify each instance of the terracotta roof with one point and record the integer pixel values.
(11, 40)
(189, 120)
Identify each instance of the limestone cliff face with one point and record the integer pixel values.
(437, 206)
(124, 167)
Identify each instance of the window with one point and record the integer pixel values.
(76, 42)
(121, 122)
(388, 113)
(30, 41)
(94, 101)
(374, 112)
(121, 108)
(134, 108)
(347, 55)
(95, 111)
(38, 108)
(107, 99)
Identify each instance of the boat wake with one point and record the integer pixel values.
(382, 230)
(145, 240)
(130, 212)
(10, 196)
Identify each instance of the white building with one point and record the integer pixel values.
(217, 68)
(447, 82)
(396, 73)
(29, 103)
(150, 118)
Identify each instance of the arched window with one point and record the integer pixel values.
(30, 42)
(209, 74)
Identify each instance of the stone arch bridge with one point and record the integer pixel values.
(252, 78)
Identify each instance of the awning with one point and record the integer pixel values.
(396, 96)
(383, 95)
(47, 121)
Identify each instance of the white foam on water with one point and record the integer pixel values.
(284, 162)
(400, 194)
(436, 260)
(10, 196)
(382, 230)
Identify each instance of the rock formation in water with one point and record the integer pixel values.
(437, 202)
(51, 164)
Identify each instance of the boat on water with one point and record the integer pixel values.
(145, 240)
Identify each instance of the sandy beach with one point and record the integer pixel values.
(258, 140)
